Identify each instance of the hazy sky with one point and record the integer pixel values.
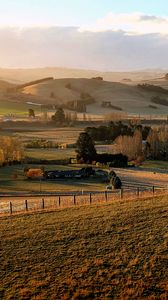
(92, 34)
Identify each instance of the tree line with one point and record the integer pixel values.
(86, 153)
(131, 142)
(11, 150)
(114, 129)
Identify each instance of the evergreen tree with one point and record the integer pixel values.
(85, 148)
(59, 116)
(31, 113)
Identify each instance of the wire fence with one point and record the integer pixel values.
(11, 204)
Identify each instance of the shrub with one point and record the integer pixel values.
(113, 160)
(116, 182)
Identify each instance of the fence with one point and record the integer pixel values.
(10, 204)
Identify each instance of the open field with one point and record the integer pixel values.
(14, 108)
(62, 135)
(128, 98)
(123, 96)
(129, 177)
(21, 184)
(138, 176)
(50, 154)
(107, 251)
(155, 164)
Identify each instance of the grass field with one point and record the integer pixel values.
(155, 164)
(50, 154)
(107, 251)
(65, 135)
(21, 184)
(9, 182)
(15, 108)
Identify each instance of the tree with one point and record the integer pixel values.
(130, 145)
(116, 182)
(52, 95)
(153, 140)
(85, 148)
(59, 116)
(158, 143)
(112, 175)
(166, 76)
(10, 150)
(31, 113)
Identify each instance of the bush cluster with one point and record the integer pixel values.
(115, 129)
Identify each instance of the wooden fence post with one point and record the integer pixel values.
(10, 208)
(105, 195)
(90, 198)
(26, 205)
(74, 200)
(138, 192)
(153, 189)
(43, 203)
(121, 193)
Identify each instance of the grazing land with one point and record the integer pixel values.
(9, 182)
(12, 179)
(29, 132)
(107, 251)
(155, 164)
(50, 154)
(68, 85)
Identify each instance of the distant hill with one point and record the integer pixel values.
(4, 85)
(125, 97)
(123, 94)
(19, 76)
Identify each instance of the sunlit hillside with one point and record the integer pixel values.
(122, 96)
(105, 251)
(123, 93)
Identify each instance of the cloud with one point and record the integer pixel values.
(71, 48)
(134, 23)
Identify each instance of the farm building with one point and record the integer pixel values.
(34, 174)
(84, 172)
(62, 174)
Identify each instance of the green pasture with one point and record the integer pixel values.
(16, 108)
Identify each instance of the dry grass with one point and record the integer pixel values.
(128, 176)
(108, 251)
(21, 184)
(128, 97)
(66, 135)
(147, 176)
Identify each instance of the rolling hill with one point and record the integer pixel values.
(4, 85)
(123, 94)
(19, 76)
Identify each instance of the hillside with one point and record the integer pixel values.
(107, 251)
(4, 85)
(123, 96)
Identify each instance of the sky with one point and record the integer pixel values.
(91, 34)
